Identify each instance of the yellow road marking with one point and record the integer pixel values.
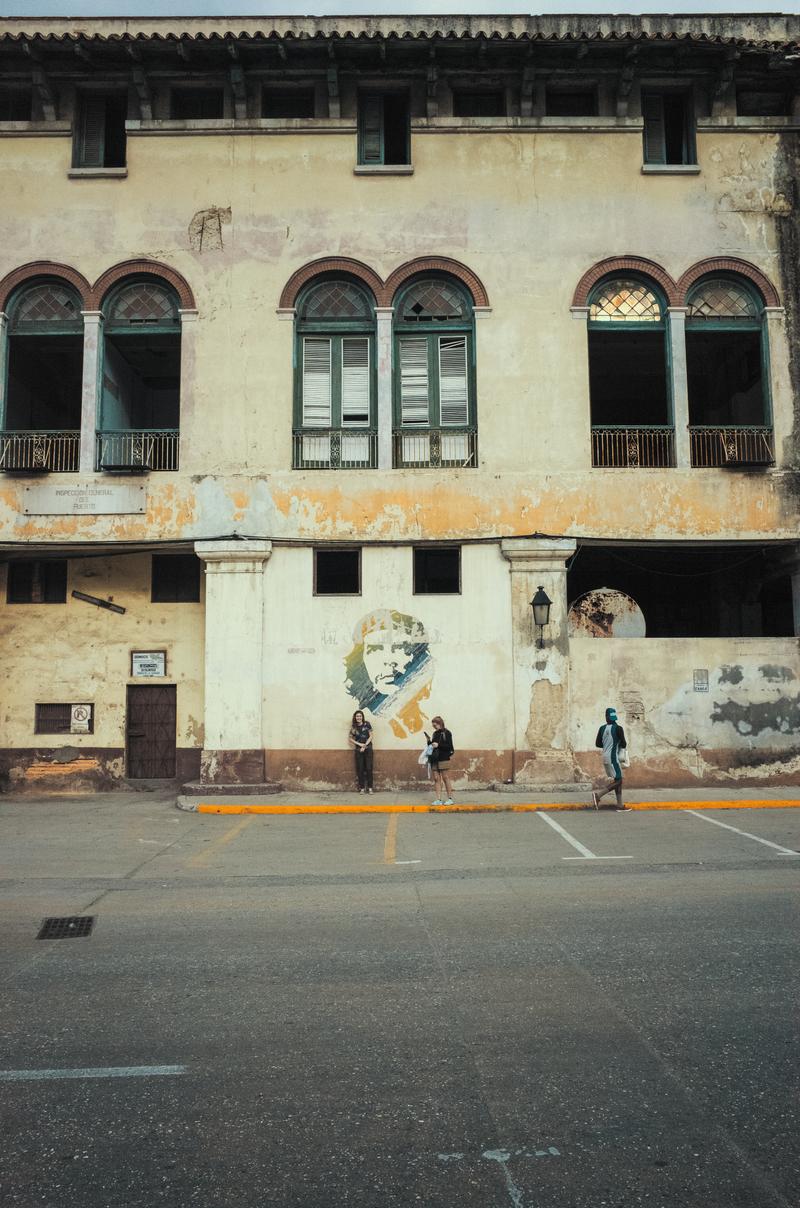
(205, 856)
(487, 808)
(390, 842)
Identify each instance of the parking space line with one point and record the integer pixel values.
(783, 851)
(585, 853)
(390, 841)
(108, 1071)
(203, 857)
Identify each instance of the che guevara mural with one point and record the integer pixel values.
(390, 668)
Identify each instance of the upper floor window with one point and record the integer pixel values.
(384, 128)
(100, 130)
(563, 101)
(37, 582)
(668, 127)
(175, 579)
(288, 102)
(335, 416)
(752, 102)
(628, 381)
(192, 104)
(140, 398)
(473, 102)
(16, 103)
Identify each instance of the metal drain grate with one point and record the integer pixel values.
(72, 927)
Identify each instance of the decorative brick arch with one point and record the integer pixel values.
(616, 265)
(436, 264)
(331, 264)
(45, 268)
(134, 268)
(729, 264)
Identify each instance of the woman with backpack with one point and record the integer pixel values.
(442, 743)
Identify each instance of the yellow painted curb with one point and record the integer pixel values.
(513, 807)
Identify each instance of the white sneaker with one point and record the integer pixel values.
(449, 801)
(437, 802)
(369, 790)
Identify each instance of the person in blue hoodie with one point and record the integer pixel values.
(611, 740)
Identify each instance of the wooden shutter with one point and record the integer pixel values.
(655, 145)
(355, 381)
(316, 383)
(91, 133)
(453, 399)
(413, 358)
(370, 121)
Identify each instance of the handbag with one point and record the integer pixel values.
(624, 758)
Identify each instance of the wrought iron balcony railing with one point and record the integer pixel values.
(135, 450)
(334, 449)
(431, 448)
(40, 451)
(738, 445)
(651, 447)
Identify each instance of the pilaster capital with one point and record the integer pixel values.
(92, 316)
(774, 312)
(233, 557)
(287, 313)
(581, 313)
(384, 312)
(187, 314)
(677, 313)
(538, 553)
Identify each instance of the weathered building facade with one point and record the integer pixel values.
(326, 343)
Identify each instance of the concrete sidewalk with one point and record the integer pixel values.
(489, 801)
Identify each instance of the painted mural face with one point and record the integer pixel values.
(389, 670)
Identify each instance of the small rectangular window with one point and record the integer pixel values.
(288, 102)
(100, 130)
(175, 579)
(384, 128)
(37, 582)
(437, 570)
(337, 572)
(192, 104)
(59, 719)
(476, 103)
(668, 128)
(570, 102)
(753, 103)
(16, 104)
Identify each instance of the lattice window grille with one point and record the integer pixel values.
(336, 300)
(144, 302)
(721, 300)
(47, 304)
(433, 301)
(625, 301)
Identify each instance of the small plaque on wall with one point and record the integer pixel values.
(148, 664)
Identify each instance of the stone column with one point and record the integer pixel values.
(542, 754)
(383, 316)
(3, 362)
(233, 751)
(778, 387)
(90, 389)
(676, 328)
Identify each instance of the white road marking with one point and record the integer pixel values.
(784, 851)
(501, 1156)
(585, 853)
(408, 861)
(108, 1071)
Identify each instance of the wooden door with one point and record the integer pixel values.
(151, 739)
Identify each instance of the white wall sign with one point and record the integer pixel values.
(76, 499)
(148, 663)
(80, 717)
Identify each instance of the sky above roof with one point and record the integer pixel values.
(264, 8)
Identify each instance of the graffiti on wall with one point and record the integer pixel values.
(390, 668)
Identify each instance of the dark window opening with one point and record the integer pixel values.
(288, 102)
(668, 129)
(628, 377)
(725, 377)
(175, 579)
(571, 102)
(191, 104)
(44, 382)
(383, 128)
(337, 572)
(57, 719)
(32, 582)
(100, 130)
(141, 380)
(16, 104)
(751, 103)
(709, 592)
(469, 103)
(437, 571)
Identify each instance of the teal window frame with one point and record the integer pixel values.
(618, 328)
(32, 330)
(111, 328)
(654, 139)
(335, 330)
(758, 324)
(371, 118)
(432, 331)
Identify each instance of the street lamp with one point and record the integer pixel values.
(540, 604)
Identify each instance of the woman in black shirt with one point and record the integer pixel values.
(442, 743)
(360, 739)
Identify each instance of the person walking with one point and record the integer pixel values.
(442, 743)
(360, 739)
(611, 740)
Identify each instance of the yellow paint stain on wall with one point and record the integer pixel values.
(45, 771)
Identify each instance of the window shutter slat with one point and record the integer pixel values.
(414, 400)
(91, 145)
(371, 120)
(655, 146)
(355, 381)
(453, 399)
(316, 383)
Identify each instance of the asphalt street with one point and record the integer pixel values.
(569, 1010)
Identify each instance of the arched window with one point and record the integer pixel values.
(726, 369)
(335, 414)
(628, 381)
(44, 378)
(435, 414)
(140, 399)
